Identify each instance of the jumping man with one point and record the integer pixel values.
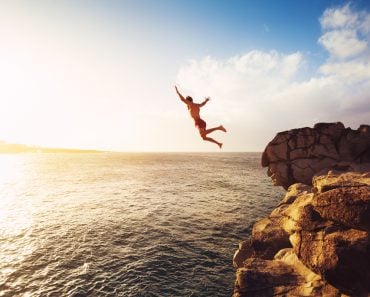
(194, 109)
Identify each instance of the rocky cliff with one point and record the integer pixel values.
(316, 241)
(295, 156)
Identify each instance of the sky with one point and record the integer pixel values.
(101, 74)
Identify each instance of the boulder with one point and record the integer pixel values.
(348, 206)
(268, 236)
(295, 156)
(350, 176)
(267, 239)
(340, 256)
(301, 215)
(284, 276)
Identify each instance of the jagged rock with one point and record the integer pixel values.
(266, 278)
(268, 237)
(357, 176)
(295, 156)
(344, 198)
(349, 206)
(313, 283)
(342, 257)
(283, 276)
(300, 213)
(325, 216)
(244, 252)
(291, 195)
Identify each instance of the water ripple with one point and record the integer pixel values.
(127, 224)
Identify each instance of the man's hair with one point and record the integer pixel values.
(189, 98)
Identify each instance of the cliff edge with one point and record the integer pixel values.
(316, 241)
(295, 156)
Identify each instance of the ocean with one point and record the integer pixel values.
(127, 224)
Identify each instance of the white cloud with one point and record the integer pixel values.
(365, 26)
(260, 93)
(256, 66)
(334, 18)
(350, 71)
(240, 81)
(343, 43)
(345, 32)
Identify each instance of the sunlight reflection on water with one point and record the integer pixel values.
(126, 224)
(15, 213)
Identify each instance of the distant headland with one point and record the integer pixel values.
(13, 148)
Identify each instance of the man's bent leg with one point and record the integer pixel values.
(205, 138)
(215, 129)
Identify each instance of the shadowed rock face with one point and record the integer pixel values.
(295, 156)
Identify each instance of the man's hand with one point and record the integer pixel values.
(181, 96)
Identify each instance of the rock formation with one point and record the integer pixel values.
(295, 156)
(316, 241)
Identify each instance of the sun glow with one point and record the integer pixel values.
(101, 76)
(15, 213)
(15, 216)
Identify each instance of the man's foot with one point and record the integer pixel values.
(222, 128)
(220, 145)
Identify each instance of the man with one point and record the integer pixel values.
(194, 110)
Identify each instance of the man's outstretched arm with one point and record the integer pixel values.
(181, 96)
(204, 102)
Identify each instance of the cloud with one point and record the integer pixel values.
(341, 17)
(343, 43)
(345, 32)
(260, 93)
(346, 38)
(241, 80)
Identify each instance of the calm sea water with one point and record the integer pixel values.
(127, 224)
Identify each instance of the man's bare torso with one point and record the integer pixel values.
(194, 110)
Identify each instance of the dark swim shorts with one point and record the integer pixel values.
(200, 124)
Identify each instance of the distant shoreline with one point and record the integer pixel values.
(10, 148)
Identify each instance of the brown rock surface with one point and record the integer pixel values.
(316, 241)
(295, 156)
(267, 239)
(349, 206)
(341, 257)
(268, 236)
(356, 176)
(284, 276)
